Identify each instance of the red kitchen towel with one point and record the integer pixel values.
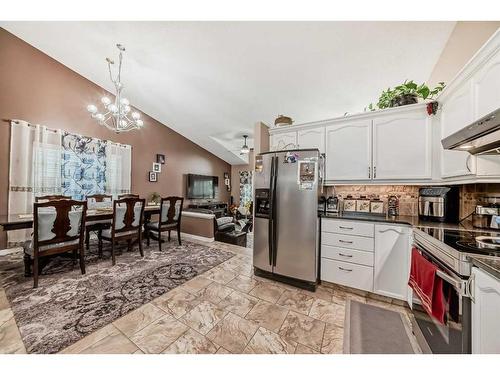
(427, 285)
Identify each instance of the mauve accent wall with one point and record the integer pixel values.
(36, 88)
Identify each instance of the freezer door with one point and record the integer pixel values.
(296, 221)
(262, 257)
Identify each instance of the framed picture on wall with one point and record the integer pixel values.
(157, 167)
(160, 158)
(153, 177)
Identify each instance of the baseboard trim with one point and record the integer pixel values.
(195, 237)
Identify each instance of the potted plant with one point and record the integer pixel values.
(406, 93)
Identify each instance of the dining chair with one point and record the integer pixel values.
(48, 198)
(58, 227)
(170, 219)
(121, 196)
(97, 201)
(128, 215)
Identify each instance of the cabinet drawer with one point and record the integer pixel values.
(350, 242)
(347, 255)
(348, 227)
(348, 274)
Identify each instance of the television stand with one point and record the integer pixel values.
(218, 208)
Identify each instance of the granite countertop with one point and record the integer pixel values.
(413, 221)
(406, 220)
(489, 264)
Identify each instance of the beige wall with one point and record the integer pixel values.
(38, 89)
(465, 40)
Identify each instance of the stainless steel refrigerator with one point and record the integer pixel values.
(286, 221)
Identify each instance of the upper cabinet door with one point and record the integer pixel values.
(312, 138)
(349, 150)
(402, 146)
(486, 83)
(284, 141)
(456, 113)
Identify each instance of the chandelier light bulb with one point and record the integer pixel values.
(123, 123)
(136, 115)
(92, 108)
(99, 117)
(105, 100)
(126, 109)
(139, 123)
(113, 108)
(124, 101)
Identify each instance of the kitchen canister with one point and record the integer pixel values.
(363, 205)
(349, 204)
(377, 206)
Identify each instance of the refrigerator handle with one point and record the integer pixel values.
(274, 211)
(271, 210)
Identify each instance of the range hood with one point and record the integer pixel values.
(480, 137)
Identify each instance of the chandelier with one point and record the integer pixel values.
(117, 115)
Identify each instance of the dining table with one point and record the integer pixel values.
(25, 221)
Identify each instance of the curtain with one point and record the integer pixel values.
(35, 169)
(45, 162)
(83, 166)
(118, 168)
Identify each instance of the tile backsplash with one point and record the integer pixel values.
(407, 194)
(470, 195)
(473, 194)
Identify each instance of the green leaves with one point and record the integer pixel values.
(389, 96)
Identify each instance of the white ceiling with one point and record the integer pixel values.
(212, 81)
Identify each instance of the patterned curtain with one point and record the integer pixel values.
(83, 166)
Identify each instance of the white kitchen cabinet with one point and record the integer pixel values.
(391, 263)
(486, 84)
(485, 308)
(312, 138)
(284, 141)
(349, 150)
(402, 146)
(456, 113)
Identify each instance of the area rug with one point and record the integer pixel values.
(371, 329)
(68, 305)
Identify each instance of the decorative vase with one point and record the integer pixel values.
(405, 99)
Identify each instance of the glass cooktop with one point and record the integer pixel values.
(481, 243)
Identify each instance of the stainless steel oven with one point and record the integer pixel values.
(454, 337)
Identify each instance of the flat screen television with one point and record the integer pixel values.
(201, 187)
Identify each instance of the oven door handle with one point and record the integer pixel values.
(461, 286)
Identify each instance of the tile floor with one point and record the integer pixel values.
(225, 310)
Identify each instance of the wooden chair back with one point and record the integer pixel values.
(128, 215)
(58, 221)
(171, 210)
(48, 198)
